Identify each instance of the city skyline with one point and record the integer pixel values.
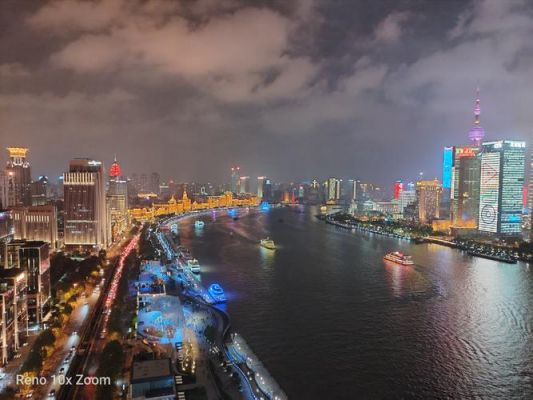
(377, 92)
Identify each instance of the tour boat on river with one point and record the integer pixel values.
(399, 258)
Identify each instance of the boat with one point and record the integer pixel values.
(268, 244)
(399, 258)
(496, 257)
(217, 293)
(199, 224)
(194, 266)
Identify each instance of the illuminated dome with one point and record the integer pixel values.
(115, 170)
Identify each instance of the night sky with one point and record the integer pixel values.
(289, 89)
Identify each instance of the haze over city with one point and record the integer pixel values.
(266, 199)
(192, 87)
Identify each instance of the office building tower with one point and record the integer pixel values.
(3, 190)
(40, 191)
(260, 183)
(7, 234)
(407, 197)
(37, 223)
(235, 179)
(244, 184)
(19, 177)
(85, 216)
(268, 193)
(34, 259)
(155, 180)
(428, 197)
(465, 186)
(530, 194)
(398, 188)
(333, 190)
(14, 328)
(502, 181)
(117, 201)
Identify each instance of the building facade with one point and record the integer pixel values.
(85, 213)
(36, 223)
(501, 187)
(117, 201)
(428, 194)
(465, 186)
(18, 175)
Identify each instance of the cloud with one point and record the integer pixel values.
(11, 71)
(233, 56)
(390, 29)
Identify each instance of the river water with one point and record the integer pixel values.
(330, 319)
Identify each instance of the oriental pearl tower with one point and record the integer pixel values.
(476, 133)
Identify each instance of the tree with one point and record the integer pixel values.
(110, 364)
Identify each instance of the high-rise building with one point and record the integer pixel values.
(155, 180)
(19, 177)
(85, 213)
(428, 196)
(40, 191)
(530, 194)
(37, 223)
(117, 200)
(3, 190)
(13, 328)
(34, 259)
(333, 190)
(7, 234)
(235, 180)
(398, 188)
(447, 167)
(465, 185)
(502, 181)
(244, 184)
(268, 193)
(260, 183)
(407, 197)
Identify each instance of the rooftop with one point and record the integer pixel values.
(151, 369)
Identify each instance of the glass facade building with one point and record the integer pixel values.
(501, 186)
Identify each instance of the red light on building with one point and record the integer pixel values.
(398, 187)
(115, 170)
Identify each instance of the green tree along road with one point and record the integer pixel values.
(110, 365)
(37, 354)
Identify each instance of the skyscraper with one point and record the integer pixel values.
(428, 195)
(19, 177)
(260, 183)
(333, 190)
(235, 175)
(117, 200)
(502, 182)
(530, 194)
(465, 185)
(244, 184)
(85, 204)
(398, 188)
(4, 184)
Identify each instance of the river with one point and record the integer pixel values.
(330, 319)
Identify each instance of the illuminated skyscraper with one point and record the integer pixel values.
(244, 184)
(333, 190)
(407, 197)
(398, 188)
(85, 204)
(260, 183)
(117, 200)
(18, 174)
(530, 194)
(235, 175)
(465, 185)
(4, 184)
(502, 182)
(428, 195)
(476, 133)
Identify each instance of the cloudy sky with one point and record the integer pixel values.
(290, 89)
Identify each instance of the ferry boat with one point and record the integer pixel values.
(199, 224)
(399, 258)
(217, 293)
(268, 244)
(194, 266)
